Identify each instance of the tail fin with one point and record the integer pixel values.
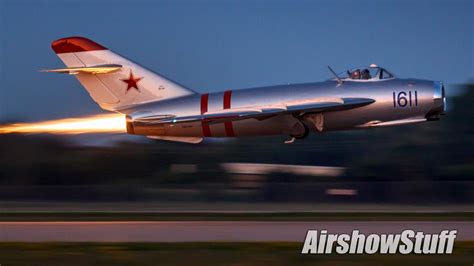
(115, 89)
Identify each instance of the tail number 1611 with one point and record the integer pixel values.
(405, 99)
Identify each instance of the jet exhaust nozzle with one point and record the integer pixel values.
(130, 127)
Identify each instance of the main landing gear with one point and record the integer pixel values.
(304, 134)
(315, 119)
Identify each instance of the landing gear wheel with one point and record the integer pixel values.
(305, 133)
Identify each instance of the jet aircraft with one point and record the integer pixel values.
(160, 108)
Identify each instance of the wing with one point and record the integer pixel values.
(298, 108)
(192, 140)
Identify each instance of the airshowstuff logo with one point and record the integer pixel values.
(406, 242)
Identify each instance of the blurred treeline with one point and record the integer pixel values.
(425, 163)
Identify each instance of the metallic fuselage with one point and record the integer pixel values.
(395, 100)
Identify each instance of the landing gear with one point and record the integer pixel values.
(290, 140)
(303, 135)
(317, 120)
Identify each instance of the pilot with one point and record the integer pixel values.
(365, 74)
(355, 74)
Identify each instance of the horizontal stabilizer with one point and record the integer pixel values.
(99, 69)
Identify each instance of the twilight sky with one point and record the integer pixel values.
(216, 45)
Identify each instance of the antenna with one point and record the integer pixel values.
(338, 79)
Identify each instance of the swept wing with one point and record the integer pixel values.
(262, 112)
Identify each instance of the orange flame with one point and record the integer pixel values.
(104, 123)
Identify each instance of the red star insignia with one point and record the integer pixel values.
(132, 82)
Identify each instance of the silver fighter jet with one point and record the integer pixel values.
(160, 108)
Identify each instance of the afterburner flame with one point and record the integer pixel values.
(104, 123)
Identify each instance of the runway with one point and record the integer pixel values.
(197, 231)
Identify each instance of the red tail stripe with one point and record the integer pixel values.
(229, 128)
(204, 103)
(75, 44)
(227, 98)
(206, 130)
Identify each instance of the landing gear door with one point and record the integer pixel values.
(317, 120)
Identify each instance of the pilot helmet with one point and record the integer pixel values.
(355, 74)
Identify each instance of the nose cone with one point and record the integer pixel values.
(439, 101)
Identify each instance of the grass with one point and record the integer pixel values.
(242, 254)
(209, 216)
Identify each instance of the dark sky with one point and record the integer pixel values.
(216, 45)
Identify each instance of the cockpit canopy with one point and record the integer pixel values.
(370, 73)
